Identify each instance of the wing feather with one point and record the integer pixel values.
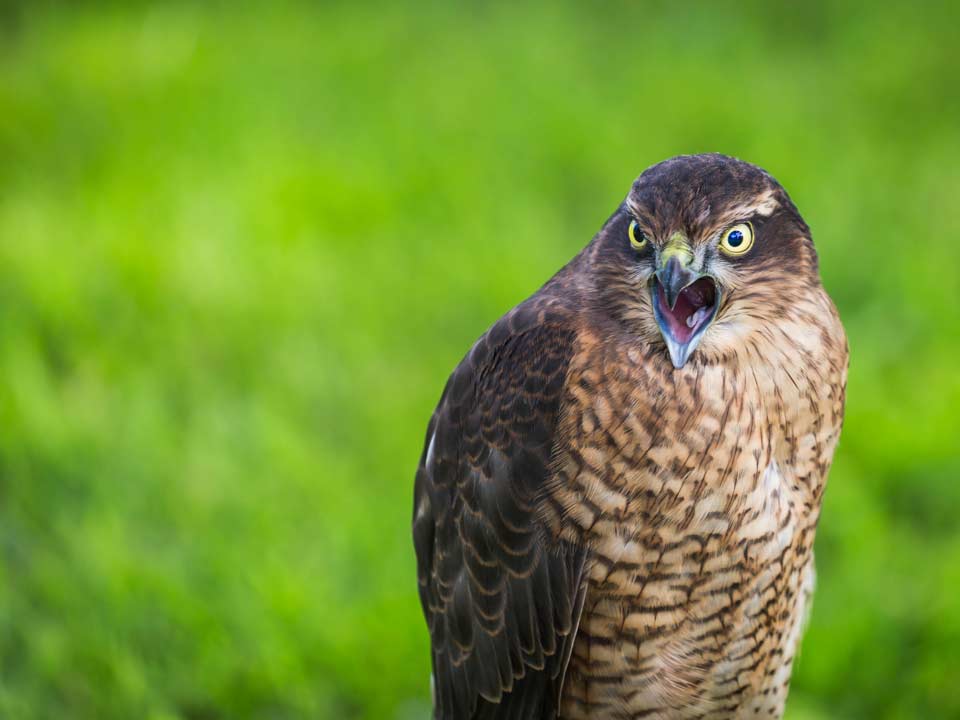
(501, 602)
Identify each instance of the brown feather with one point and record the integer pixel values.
(601, 535)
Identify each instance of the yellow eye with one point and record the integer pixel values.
(737, 240)
(637, 239)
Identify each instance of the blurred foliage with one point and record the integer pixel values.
(242, 245)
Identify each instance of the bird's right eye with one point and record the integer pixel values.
(637, 239)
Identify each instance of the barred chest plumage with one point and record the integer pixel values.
(616, 505)
(698, 492)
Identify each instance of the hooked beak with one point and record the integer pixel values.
(674, 277)
(685, 302)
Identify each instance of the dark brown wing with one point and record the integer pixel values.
(502, 601)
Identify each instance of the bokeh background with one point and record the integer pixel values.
(242, 245)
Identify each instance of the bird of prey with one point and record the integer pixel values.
(616, 503)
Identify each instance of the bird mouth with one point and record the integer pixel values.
(693, 310)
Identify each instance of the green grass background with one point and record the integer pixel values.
(242, 245)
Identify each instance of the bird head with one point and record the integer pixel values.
(705, 251)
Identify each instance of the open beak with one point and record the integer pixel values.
(685, 302)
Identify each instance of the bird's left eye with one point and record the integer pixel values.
(637, 239)
(737, 240)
